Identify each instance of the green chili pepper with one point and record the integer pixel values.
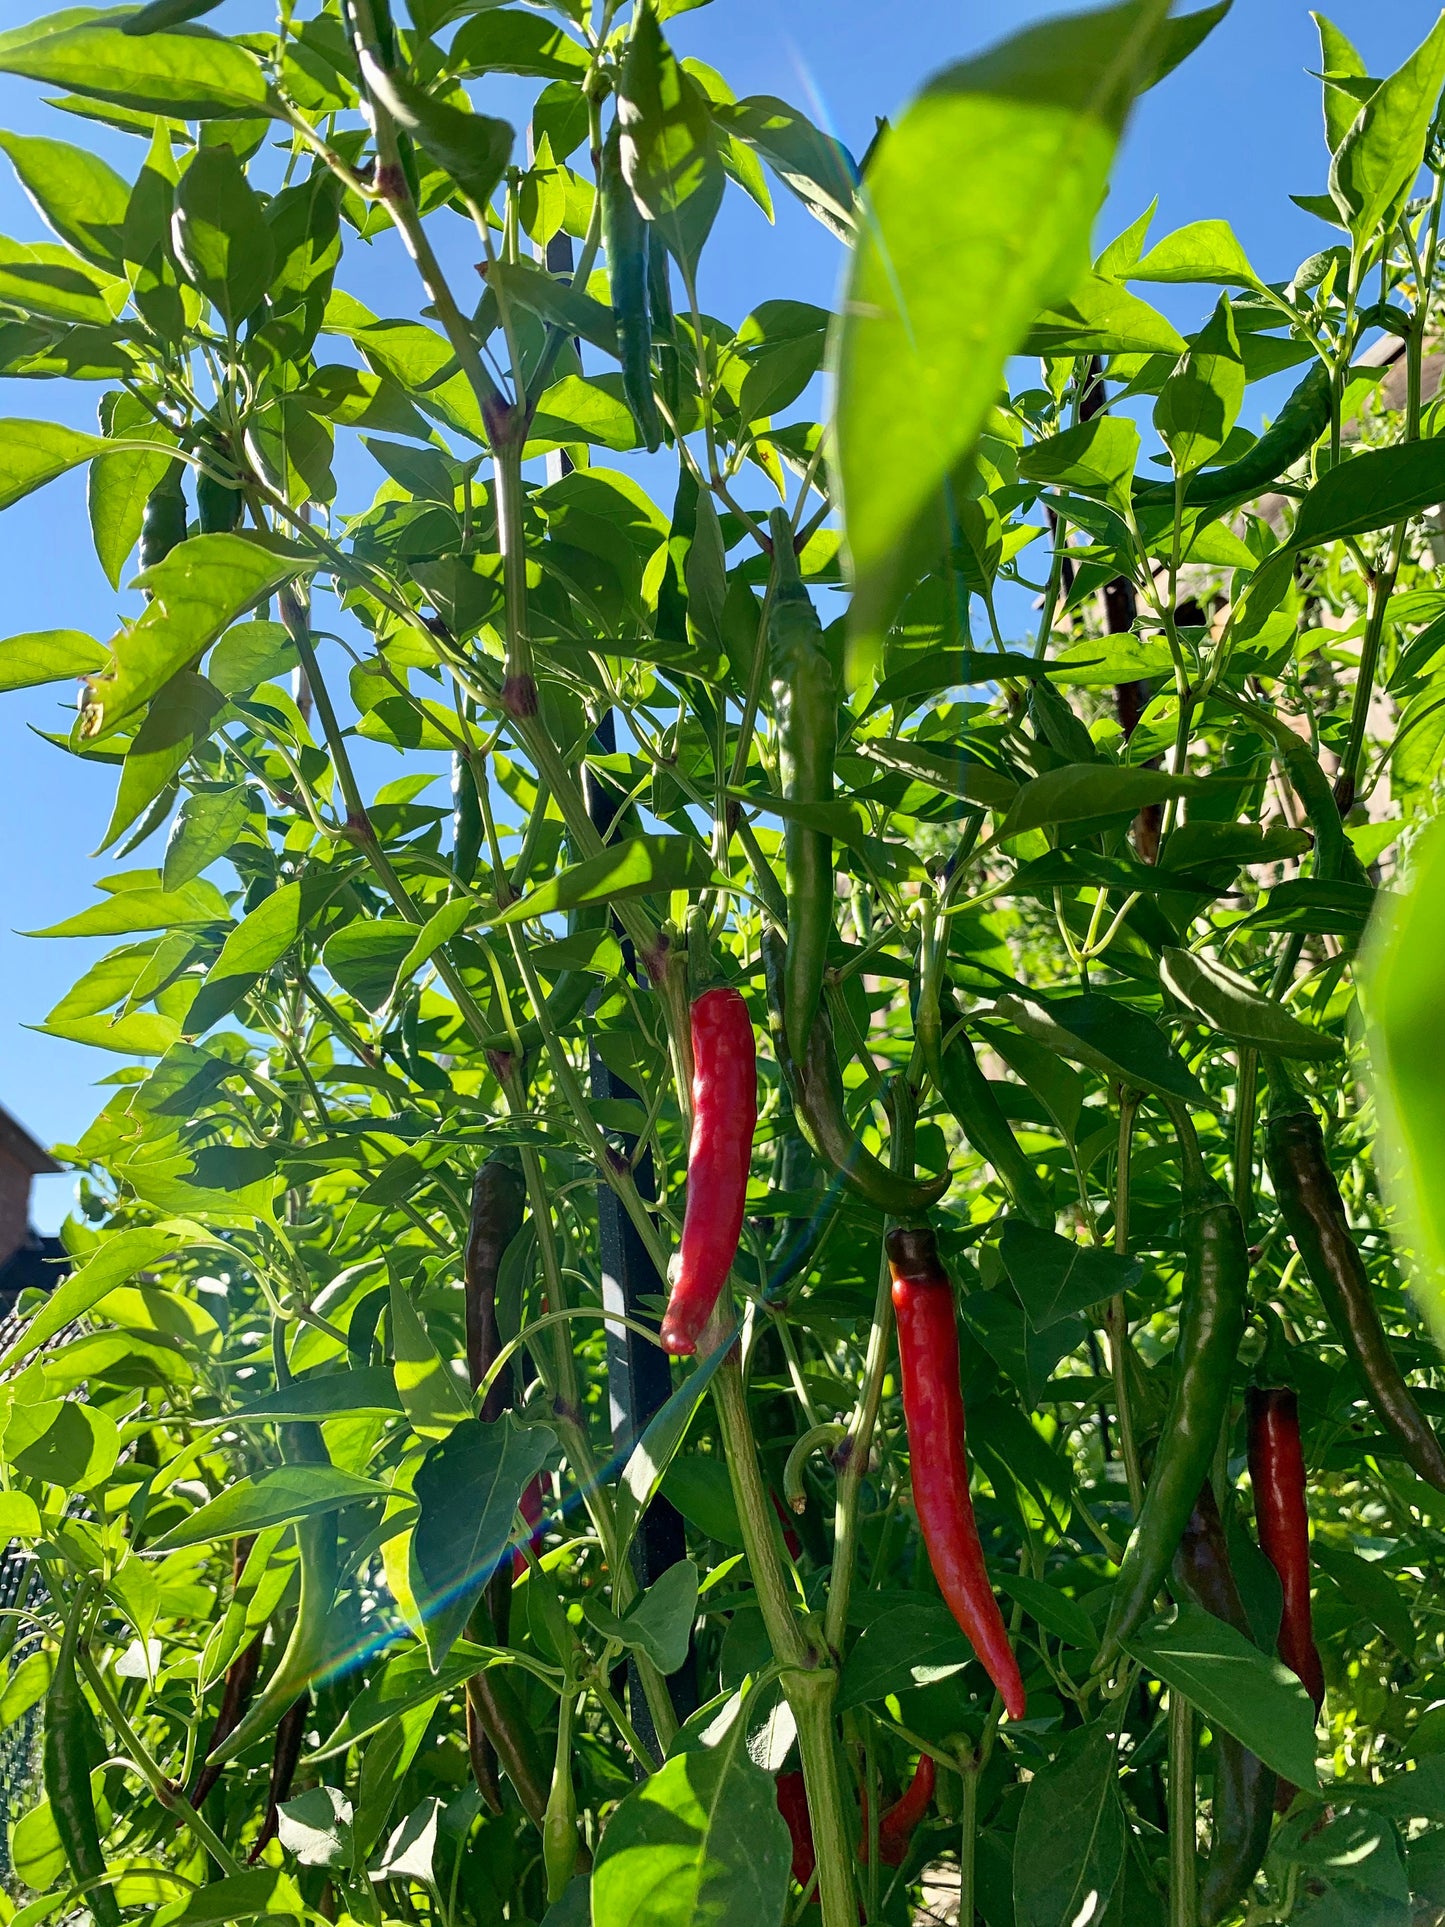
(1311, 1205)
(805, 705)
(499, 1203)
(816, 1088)
(466, 820)
(795, 1171)
(1211, 1325)
(664, 334)
(310, 1641)
(969, 1095)
(559, 1824)
(1244, 1787)
(219, 507)
(163, 525)
(1293, 433)
(71, 1737)
(625, 239)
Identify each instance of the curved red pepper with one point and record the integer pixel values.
(530, 1508)
(724, 1116)
(793, 1805)
(899, 1823)
(933, 1414)
(1277, 1471)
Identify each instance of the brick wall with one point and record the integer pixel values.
(14, 1204)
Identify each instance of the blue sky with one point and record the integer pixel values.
(1231, 134)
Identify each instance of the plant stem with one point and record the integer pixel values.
(853, 1462)
(1245, 1107)
(808, 1680)
(1183, 1844)
(1116, 1315)
(970, 1768)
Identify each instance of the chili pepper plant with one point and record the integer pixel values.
(800, 822)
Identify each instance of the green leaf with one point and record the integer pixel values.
(1055, 1277)
(700, 1840)
(554, 300)
(649, 1459)
(366, 958)
(221, 236)
(62, 1442)
(276, 1498)
(44, 279)
(650, 865)
(1371, 490)
(1229, 1003)
(120, 1256)
(184, 76)
(1097, 456)
(1404, 1000)
(1370, 1590)
(473, 148)
(1109, 1037)
(238, 1896)
(1235, 1686)
(504, 40)
(206, 827)
(700, 1488)
(1376, 163)
(199, 590)
(669, 147)
(1054, 1610)
(959, 774)
(125, 911)
(1070, 1845)
(1203, 251)
(469, 1487)
(259, 941)
(1031, 125)
(315, 1827)
(660, 1624)
(404, 1682)
(1088, 792)
(1339, 60)
(180, 717)
(77, 194)
(430, 1396)
(906, 1647)
(324, 1395)
(48, 655)
(34, 453)
(1200, 402)
(1102, 318)
(119, 488)
(811, 164)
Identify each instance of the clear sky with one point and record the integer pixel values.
(1233, 133)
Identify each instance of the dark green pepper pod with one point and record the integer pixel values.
(1212, 1317)
(499, 1202)
(466, 820)
(163, 526)
(1244, 1787)
(816, 1088)
(71, 1737)
(805, 707)
(1292, 434)
(1311, 1205)
(625, 239)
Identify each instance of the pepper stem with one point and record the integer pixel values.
(1183, 1843)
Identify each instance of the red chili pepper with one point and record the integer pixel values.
(933, 1414)
(724, 1116)
(531, 1510)
(1277, 1470)
(790, 1538)
(900, 1821)
(793, 1805)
